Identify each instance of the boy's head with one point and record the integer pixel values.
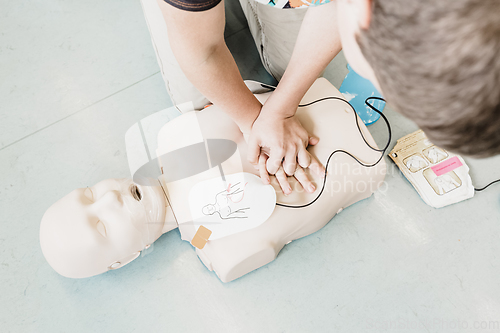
(436, 62)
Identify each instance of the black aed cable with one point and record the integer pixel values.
(475, 189)
(382, 151)
(484, 188)
(362, 136)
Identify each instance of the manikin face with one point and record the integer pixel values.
(353, 16)
(92, 230)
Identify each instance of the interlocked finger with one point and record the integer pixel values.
(262, 168)
(302, 178)
(283, 181)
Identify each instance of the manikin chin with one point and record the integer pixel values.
(243, 224)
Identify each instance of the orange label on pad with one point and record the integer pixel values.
(447, 166)
(201, 237)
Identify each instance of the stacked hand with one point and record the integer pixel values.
(277, 146)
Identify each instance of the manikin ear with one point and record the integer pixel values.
(124, 261)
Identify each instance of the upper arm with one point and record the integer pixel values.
(193, 33)
(193, 5)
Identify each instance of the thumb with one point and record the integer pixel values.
(313, 140)
(253, 151)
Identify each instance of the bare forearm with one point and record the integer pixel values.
(218, 78)
(197, 41)
(317, 44)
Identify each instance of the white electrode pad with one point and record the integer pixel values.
(440, 177)
(227, 206)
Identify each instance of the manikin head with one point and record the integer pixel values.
(436, 62)
(103, 227)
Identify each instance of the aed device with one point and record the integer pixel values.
(441, 178)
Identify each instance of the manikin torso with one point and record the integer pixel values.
(241, 222)
(346, 183)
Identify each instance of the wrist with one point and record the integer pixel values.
(245, 121)
(280, 105)
(276, 110)
(245, 127)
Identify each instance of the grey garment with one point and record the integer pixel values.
(274, 32)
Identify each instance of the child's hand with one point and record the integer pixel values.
(277, 146)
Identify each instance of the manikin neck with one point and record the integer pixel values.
(170, 221)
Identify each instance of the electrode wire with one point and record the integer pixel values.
(382, 151)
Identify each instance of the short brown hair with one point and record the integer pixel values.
(438, 63)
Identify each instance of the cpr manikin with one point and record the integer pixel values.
(242, 223)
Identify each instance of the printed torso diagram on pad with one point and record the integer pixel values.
(238, 203)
